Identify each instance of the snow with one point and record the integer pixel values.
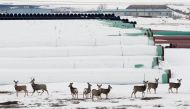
(59, 52)
(161, 23)
(184, 8)
(120, 95)
(76, 62)
(54, 33)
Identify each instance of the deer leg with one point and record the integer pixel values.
(132, 94)
(27, 92)
(24, 93)
(42, 92)
(72, 95)
(149, 90)
(92, 97)
(77, 95)
(142, 94)
(135, 94)
(100, 97)
(172, 90)
(86, 95)
(169, 90)
(47, 92)
(176, 90)
(17, 93)
(33, 92)
(106, 96)
(38, 92)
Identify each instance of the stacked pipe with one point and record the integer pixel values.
(44, 16)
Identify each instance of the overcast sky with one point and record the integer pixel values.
(100, 1)
(92, 4)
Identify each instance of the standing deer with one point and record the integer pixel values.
(74, 91)
(106, 91)
(87, 91)
(140, 89)
(96, 93)
(37, 87)
(153, 85)
(174, 85)
(20, 88)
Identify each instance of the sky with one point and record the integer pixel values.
(92, 4)
(98, 1)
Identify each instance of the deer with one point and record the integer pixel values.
(96, 92)
(87, 91)
(139, 89)
(20, 88)
(74, 91)
(153, 85)
(106, 91)
(37, 87)
(174, 85)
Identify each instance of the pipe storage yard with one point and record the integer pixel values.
(77, 54)
(97, 48)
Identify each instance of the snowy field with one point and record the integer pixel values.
(55, 55)
(120, 95)
(162, 23)
(46, 61)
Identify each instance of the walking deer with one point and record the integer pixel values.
(74, 91)
(174, 85)
(106, 91)
(153, 85)
(37, 87)
(87, 91)
(20, 88)
(96, 93)
(139, 89)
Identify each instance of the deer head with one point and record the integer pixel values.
(70, 85)
(32, 81)
(16, 82)
(179, 80)
(156, 80)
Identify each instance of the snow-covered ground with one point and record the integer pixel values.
(120, 95)
(161, 23)
(59, 52)
(183, 8)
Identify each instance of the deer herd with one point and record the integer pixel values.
(97, 92)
